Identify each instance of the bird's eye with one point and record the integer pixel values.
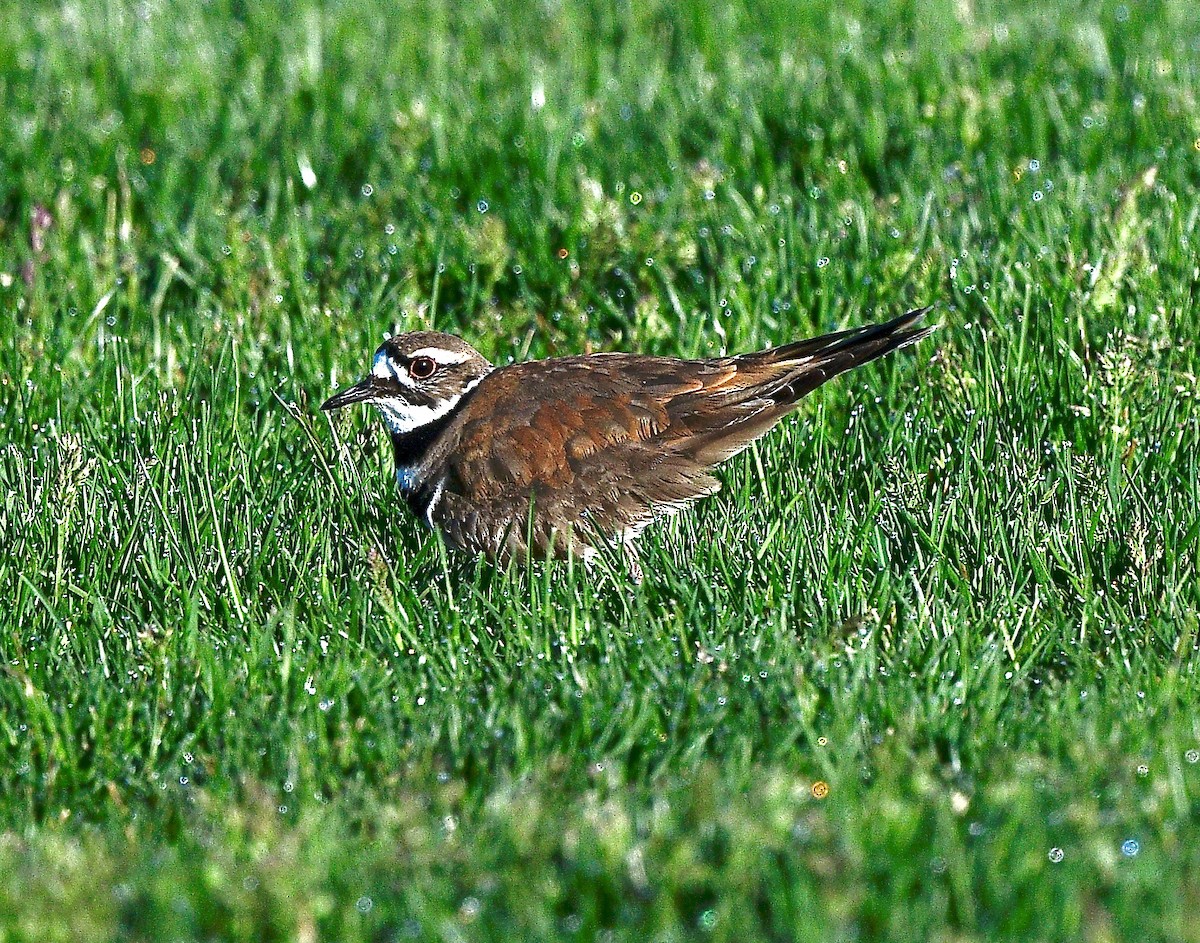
(422, 368)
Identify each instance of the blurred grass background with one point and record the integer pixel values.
(926, 669)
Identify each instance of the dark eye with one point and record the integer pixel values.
(422, 368)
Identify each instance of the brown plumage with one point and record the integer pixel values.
(561, 455)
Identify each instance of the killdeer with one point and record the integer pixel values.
(564, 455)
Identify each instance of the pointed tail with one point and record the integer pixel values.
(814, 361)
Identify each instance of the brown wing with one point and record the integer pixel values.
(610, 441)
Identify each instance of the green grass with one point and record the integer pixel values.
(245, 697)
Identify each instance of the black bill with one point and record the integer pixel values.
(363, 390)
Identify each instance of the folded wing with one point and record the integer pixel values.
(602, 445)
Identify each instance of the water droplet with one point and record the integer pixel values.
(1056, 855)
(364, 904)
(482, 206)
(367, 189)
(1130, 847)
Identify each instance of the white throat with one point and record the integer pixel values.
(403, 417)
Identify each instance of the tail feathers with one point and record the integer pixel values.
(813, 362)
(776, 379)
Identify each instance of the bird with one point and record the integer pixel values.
(568, 455)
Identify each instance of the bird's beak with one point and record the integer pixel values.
(362, 391)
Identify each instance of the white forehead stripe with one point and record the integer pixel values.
(440, 355)
(387, 369)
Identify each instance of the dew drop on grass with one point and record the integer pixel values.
(1056, 855)
(1130, 847)
(1192, 756)
(482, 206)
(364, 904)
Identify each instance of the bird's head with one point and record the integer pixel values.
(416, 379)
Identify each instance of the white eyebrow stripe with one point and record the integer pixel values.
(439, 355)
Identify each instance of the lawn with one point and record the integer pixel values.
(925, 669)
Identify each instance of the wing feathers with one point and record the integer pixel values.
(613, 441)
